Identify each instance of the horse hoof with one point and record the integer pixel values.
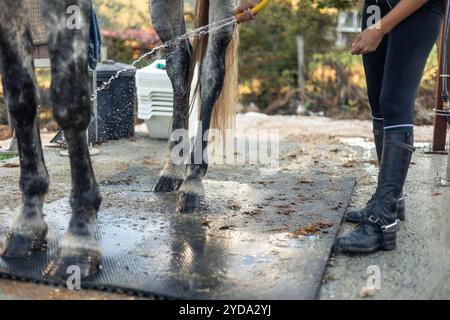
(64, 266)
(75, 254)
(189, 203)
(18, 245)
(167, 184)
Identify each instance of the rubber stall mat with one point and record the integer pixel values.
(259, 238)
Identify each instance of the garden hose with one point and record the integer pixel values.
(259, 7)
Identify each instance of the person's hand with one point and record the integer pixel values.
(244, 12)
(367, 41)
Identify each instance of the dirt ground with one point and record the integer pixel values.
(307, 144)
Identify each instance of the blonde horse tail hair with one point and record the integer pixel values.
(224, 112)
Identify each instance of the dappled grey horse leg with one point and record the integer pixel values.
(168, 21)
(212, 79)
(28, 232)
(68, 46)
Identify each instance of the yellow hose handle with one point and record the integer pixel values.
(259, 7)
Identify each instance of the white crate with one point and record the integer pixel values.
(155, 101)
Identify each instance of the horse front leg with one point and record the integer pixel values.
(168, 21)
(68, 46)
(212, 82)
(28, 232)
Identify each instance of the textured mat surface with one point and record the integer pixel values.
(264, 238)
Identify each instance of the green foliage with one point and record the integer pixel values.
(268, 47)
(7, 156)
(117, 51)
(122, 14)
(268, 67)
(338, 4)
(3, 111)
(336, 85)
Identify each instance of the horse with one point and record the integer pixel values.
(216, 59)
(70, 97)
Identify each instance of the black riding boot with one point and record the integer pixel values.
(356, 216)
(379, 229)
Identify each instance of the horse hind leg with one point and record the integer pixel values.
(68, 47)
(28, 232)
(212, 80)
(168, 21)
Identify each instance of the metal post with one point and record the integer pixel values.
(440, 123)
(444, 79)
(448, 163)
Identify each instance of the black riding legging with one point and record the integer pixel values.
(394, 70)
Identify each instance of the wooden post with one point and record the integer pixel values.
(440, 123)
(301, 62)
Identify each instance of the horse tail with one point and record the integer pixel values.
(224, 112)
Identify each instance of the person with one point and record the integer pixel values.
(395, 42)
(395, 50)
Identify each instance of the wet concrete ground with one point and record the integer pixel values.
(419, 268)
(257, 237)
(308, 145)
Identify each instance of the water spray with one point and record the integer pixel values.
(196, 33)
(199, 32)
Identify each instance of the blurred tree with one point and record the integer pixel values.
(123, 14)
(268, 48)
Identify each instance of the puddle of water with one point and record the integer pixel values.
(368, 152)
(123, 236)
(367, 146)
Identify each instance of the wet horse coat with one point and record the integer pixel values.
(68, 48)
(168, 20)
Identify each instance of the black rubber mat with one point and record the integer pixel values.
(260, 238)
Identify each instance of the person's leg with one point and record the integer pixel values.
(374, 66)
(374, 71)
(409, 46)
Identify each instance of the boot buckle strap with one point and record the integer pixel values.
(375, 220)
(402, 145)
(390, 226)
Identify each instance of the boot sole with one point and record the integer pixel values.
(355, 250)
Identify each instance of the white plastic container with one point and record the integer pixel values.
(155, 101)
